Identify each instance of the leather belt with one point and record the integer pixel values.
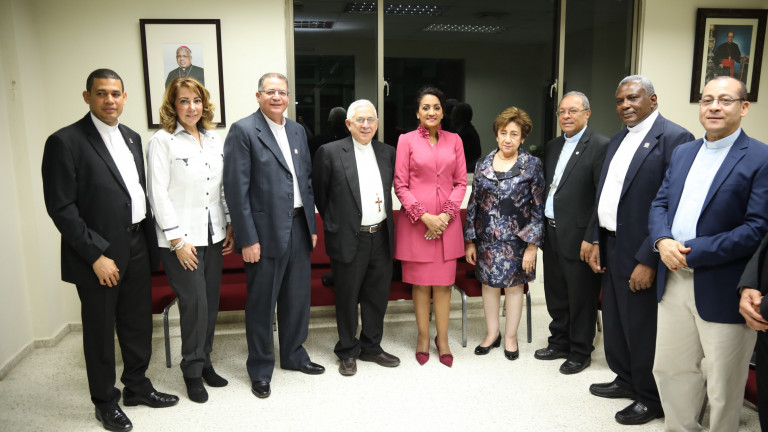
(373, 228)
(551, 222)
(610, 233)
(135, 227)
(298, 211)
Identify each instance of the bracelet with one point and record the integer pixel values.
(178, 246)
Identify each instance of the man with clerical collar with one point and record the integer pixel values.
(268, 186)
(95, 191)
(186, 68)
(352, 179)
(572, 166)
(635, 163)
(707, 220)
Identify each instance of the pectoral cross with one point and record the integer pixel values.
(378, 201)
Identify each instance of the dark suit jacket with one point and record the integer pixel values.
(732, 222)
(642, 181)
(337, 194)
(574, 200)
(259, 187)
(88, 201)
(753, 277)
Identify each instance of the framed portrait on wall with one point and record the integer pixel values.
(728, 42)
(181, 48)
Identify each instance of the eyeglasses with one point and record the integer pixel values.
(271, 92)
(722, 101)
(361, 121)
(183, 56)
(572, 112)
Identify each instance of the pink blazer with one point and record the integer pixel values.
(429, 179)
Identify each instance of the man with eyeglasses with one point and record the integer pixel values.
(634, 167)
(572, 165)
(268, 187)
(186, 68)
(706, 222)
(353, 183)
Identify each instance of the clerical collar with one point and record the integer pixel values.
(645, 124)
(723, 142)
(576, 137)
(274, 125)
(103, 127)
(359, 146)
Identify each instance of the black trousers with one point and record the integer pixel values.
(762, 378)
(365, 280)
(630, 332)
(198, 292)
(285, 282)
(126, 308)
(571, 290)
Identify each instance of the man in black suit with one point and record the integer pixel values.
(572, 166)
(635, 163)
(268, 187)
(353, 183)
(94, 188)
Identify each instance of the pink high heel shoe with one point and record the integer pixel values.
(422, 357)
(446, 359)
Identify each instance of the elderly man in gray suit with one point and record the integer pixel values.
(353, 183)
(267, 183)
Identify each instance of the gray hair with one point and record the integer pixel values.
(644, 82)
(272, 75)
(582, 96)
(358, 104)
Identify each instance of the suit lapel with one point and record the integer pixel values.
(676, 189)
(349, 163)
(268, 138)
(138, 157)
(574, 159)
(735, 154)
(552, 157)
(647, 145)
(384, 169)
(98, 144)
(292, 131)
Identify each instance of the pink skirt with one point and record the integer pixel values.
(441, 273)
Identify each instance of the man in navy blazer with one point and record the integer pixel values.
(268, 186)
(706, 222)
(635, 163)
(94, 190)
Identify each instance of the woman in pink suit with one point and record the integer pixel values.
(430, 182)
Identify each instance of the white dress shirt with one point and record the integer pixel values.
(278, 130)
(186, 189)
(617, 172)
(565, 155)
(371, 190)
(126, 164)
(703, 169)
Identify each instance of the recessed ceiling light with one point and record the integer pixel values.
(313, 24)
(464, 28)
(395, 9)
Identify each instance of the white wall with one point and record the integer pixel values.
(666, 57)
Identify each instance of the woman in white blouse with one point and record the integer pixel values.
(185, 167)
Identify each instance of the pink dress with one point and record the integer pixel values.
(430, 179)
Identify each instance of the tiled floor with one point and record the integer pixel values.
(48, 389)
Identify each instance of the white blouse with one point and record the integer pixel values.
(186, 187)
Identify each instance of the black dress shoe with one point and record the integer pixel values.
(512, 355)
(212, 378)
(481, 350)
(114, 419)
(570, 367)
(348, 366)
(155, 399)
(611, 390)
(382, 359)
(549, 354)
(312, 369)
(261, 389)
(196, 390)
(637, 413)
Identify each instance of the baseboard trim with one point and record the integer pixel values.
(38, 343)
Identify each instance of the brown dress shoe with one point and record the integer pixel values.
(348, 366)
